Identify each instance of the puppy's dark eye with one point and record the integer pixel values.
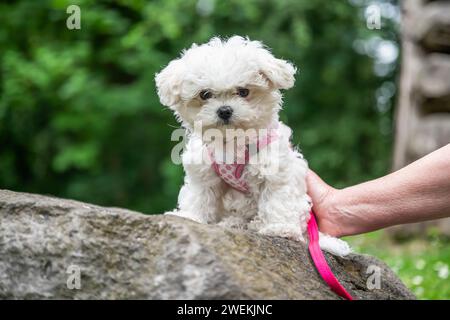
(205, 94)
(243, 92)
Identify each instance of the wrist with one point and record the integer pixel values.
(341, 214)
(328, 213)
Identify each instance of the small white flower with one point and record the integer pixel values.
(417, 280)
(443, 272)
(419, 291)
(420, 264)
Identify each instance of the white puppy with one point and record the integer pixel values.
(233, 86)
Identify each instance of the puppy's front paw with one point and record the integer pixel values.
(282, 230)
(187, 215)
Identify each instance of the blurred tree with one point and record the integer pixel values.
(80, 118)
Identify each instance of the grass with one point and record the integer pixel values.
(422, 264)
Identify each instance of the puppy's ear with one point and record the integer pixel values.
(279, 73)
(168, 83)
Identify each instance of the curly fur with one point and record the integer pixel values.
(278, 204)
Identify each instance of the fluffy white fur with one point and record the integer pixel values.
(278, 204)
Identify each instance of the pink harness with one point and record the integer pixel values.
(232, 175)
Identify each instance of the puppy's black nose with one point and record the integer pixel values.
(225, 112)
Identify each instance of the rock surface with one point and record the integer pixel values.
(121, 254)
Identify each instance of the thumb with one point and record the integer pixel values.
(317, 188)
(321, 194)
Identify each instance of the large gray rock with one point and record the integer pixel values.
(122, 254)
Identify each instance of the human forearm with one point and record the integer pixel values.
(418, 192)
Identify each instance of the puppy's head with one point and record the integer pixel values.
(225, 84)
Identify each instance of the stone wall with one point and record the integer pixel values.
(423, 112)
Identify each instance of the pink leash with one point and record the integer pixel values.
(319, 260)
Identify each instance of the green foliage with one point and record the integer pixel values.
(80, 118)
(422, 264)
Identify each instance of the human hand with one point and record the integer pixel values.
(415, 193)
(322, 196)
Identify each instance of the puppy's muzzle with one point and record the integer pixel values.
(225, 113)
